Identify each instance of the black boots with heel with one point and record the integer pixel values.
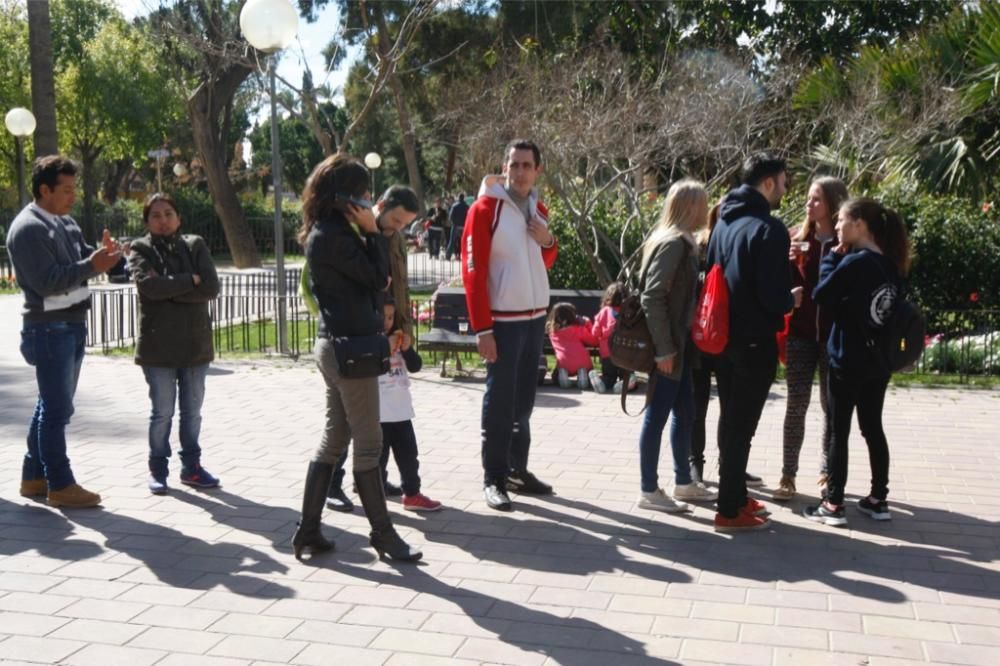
(308, 536)
(384, 538)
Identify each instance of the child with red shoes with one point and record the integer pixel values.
(396, 413)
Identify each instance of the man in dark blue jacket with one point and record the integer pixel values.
(752, 247)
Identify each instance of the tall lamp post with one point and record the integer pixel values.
(373, 161)
(21, 123)
(269, 26)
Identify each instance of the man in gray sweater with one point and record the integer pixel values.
(52, 264)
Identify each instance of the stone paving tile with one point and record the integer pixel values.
(29, 624)
(726, 653)
(580, 577)
(323, 655)
(177, 640)
(99, 631)
(35, 650)
(114, 655)
(256, 647)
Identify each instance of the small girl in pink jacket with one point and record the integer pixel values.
(602, 328)
(570, 336)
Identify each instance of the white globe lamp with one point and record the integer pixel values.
(373, 160)
(21, 123)
(269, 25)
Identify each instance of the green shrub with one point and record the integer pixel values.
(956, 250)
(572, 269)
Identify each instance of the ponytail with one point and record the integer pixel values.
(886, 227)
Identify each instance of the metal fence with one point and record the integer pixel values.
(426, 272)
(6, 268)
(243, 317)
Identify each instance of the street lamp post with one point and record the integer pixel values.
(269, 26)
(373, 161)
(159, 154)
(21, 123)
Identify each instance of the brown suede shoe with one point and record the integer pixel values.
(73, 496)
(34, 488)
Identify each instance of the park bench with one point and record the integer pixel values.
(449, 312)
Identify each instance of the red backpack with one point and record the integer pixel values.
(710, 330)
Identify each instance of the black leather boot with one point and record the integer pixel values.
(308, 534)
(384, 538)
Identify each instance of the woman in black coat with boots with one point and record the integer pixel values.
(348, 276)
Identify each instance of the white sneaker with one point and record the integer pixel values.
(658, 501)
(562, 377)
(694, 492)
(617, 390)
(582, 379)
(597, 382)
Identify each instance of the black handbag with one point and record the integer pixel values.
(362, 357)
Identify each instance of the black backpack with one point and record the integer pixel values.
(900, 341)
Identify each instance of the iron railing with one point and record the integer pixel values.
(242, 323)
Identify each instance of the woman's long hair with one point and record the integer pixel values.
(834, 195)
(686, 209)
(336, 177)
(886, 227)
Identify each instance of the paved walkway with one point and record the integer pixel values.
(579, 578)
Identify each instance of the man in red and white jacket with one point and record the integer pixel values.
(506, 250)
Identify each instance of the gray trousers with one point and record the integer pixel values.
(352, 411)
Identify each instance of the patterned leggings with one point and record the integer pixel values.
(801, 359)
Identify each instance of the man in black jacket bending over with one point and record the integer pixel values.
(752, 247)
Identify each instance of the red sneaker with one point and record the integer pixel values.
(420, 502)
(755, 508)
(741, 523)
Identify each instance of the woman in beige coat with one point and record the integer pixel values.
(669, 290)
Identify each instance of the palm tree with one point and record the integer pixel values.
(43, 90)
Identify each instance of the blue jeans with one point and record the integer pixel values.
(669, 396)
(163, 384)
(510, 398)
(55, 349)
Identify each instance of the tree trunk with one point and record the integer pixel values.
(113, 181)
(449, 167)
(88, 157)
(43, 89)
(204, 109)
(402, 111)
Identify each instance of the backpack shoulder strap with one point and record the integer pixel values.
(650, 386)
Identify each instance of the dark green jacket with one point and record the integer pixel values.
(175, 328)
(669, 292)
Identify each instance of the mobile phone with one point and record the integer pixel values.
(360, 203)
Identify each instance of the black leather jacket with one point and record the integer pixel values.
(348, 274)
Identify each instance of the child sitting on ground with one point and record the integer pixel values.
(396, 413)
(570, 336)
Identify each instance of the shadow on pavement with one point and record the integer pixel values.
(575, 640)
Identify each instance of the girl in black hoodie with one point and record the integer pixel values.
(860, 283)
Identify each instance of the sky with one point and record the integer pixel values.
(313, 37)
(306, 51)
